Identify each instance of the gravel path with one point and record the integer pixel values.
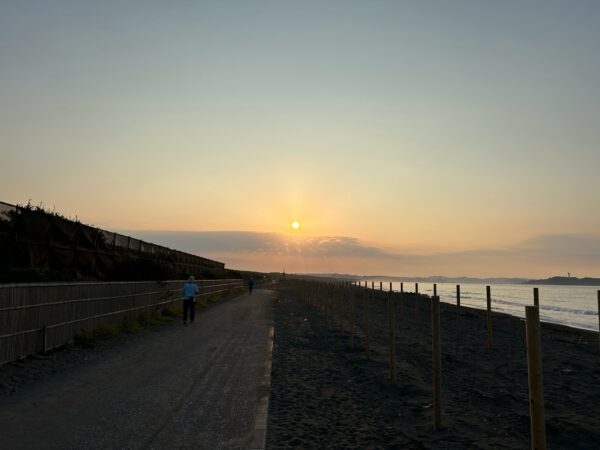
(198, 386)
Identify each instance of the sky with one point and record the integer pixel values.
(407, 138)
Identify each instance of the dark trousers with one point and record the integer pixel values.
(188, 305)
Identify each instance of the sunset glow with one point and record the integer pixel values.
(412, 139)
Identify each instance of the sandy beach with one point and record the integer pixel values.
(327, 395)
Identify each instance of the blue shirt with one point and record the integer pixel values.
(190, 290)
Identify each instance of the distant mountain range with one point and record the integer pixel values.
(432, 279)
(567, 281)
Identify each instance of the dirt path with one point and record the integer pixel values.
(198, 386)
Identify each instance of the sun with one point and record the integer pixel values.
(295, 224)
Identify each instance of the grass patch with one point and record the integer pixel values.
(86, 338)
(131, 325)
(107, 331)
(172, 310)
(146, 319)
(90, 339)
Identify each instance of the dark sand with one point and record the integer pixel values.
(326, 395)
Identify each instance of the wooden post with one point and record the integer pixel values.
(325, 302)
(318, 298)
(417, 305)
(434, 290)
(44, 340)
(392, 324)
(334, 304)
(352, 319)
(330, 311)
(372, 285)
(342, 308)
(536, 297)
(489, 316)
(536, 386)
(381, 285)
(458, 314)
(366, 317)
(417, 316)
(437, 362)
(401, 300)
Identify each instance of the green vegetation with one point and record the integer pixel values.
(90, 338)
(107, 331)
(86, 338)
(37, 276)
(65, 249)
(132, 325)
(143, 268)
(172, 310)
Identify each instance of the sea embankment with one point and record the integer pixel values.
(327, 394)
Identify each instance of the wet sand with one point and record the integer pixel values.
(325, 394)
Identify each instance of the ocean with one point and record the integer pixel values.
(575, 306)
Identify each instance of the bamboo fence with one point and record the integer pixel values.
(38, 317)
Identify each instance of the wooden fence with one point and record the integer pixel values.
(365, 312)
(38, 317)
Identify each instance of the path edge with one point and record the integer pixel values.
(259, 436)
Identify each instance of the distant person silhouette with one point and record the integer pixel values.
(250, 285)
(190, 290)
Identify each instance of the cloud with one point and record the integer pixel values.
(536, 257)
(540, 256)
(576, 248)
(567, 245)
(261, 243)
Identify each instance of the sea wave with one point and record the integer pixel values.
(583, 312)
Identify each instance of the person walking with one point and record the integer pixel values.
(250, 285)
(190, 290)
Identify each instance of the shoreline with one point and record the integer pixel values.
(325, 394)
(550, 311)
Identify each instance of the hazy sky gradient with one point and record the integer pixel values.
(422, 128)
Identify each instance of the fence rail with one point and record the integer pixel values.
(39, 317)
